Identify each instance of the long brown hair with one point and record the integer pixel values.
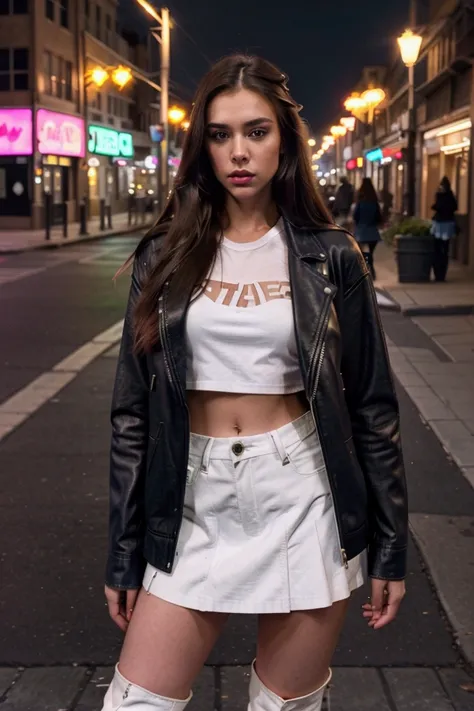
(192, 218)
(367, 191)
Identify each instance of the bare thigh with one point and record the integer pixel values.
(166, 645)
(294, 650)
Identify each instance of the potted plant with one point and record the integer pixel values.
(414, 249)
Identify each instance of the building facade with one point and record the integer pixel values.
(59, 133)
(444, 116)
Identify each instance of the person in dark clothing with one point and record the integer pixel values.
(444, 227)
(367, 218)
(344, 200)
(387, 205)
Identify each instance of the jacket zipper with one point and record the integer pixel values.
(173, 377)
(317, 365)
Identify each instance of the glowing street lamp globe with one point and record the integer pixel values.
(410, 45)
(338, 131)
(354, 103)
(176, 115)
(99, 76)
(311, 142)
(373, 97)
(121, 76)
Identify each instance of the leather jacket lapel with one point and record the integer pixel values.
(312, 295)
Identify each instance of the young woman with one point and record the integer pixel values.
(255, 458)
(444, 227)
(367, 219)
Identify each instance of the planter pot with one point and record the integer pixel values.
(414, 258)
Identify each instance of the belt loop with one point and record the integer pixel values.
(206, 455)
(280, 447)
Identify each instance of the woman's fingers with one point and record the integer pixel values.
(385, 602)
(115, 604)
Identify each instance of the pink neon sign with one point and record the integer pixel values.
(16, 132)
(60, 134)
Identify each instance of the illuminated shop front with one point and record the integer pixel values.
(110, 153)
(16, 149)
(61, 143)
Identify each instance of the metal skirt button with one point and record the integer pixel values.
(238, 449)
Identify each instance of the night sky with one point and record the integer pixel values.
(322, 45)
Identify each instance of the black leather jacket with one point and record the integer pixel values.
(350, 391)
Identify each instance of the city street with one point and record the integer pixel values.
(59, 329)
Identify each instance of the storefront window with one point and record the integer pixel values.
(93, 183)
(456, 168)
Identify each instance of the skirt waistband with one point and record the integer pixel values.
(240, 448)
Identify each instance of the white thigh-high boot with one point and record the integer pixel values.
(122, 694)
(262, 699)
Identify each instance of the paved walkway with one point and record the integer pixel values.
(441, 384)
(14, 241)
(455, 295)
(225, 689)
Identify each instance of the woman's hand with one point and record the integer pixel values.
(121, 604)
(387, 596)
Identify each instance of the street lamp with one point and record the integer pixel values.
(99, 76)
(121, 76)
(338, 131)
(354, 103)
(410, 45)
(348, 122)
(176, 115)
(150, 10)
(311, 142)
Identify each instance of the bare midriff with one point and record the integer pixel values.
(215, 414)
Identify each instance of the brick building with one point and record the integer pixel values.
(58, 132)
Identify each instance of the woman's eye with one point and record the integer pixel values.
(219, 136)
(258, 133)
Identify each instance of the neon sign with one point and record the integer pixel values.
(108, 142)
(16, 132)
(60, 134)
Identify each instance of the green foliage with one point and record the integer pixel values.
(414, 226)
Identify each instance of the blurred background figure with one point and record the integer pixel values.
(387, 206)
(367, 219)
(343, 202)
(444, 227)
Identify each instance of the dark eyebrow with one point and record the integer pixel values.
(248, 124)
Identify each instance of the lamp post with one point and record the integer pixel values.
(162, 35)
(410, 45)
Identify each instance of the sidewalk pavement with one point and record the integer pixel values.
(226, 689)
(455, 296)
(15, 241)
(438, 376)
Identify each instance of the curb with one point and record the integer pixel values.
(386, 302)
(455, 310)
(75, 240)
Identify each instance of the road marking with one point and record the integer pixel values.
(9, 274)
(25, 402)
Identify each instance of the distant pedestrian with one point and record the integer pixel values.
(343, 202)
(367, 218)
(141, 203)
(387, 206)
(444, 227)
(256, 464)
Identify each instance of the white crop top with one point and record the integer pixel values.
(240, 330)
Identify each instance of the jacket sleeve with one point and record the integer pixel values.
(129, 417)
(374, 413)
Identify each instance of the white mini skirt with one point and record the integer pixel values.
(259, 533)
